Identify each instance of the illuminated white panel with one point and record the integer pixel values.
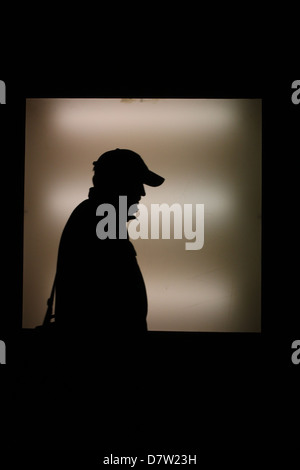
(209, 152)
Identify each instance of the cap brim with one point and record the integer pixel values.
(152, 179)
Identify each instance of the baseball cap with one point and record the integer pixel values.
(122, 163)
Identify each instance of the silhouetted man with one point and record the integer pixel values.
(99, 286)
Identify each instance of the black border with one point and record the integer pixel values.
(257, 365)
(110, 86)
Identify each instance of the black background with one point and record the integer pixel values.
(213, 391)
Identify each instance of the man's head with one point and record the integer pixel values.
(123, 172)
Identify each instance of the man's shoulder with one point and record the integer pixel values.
(85, 207)
(80, 216)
